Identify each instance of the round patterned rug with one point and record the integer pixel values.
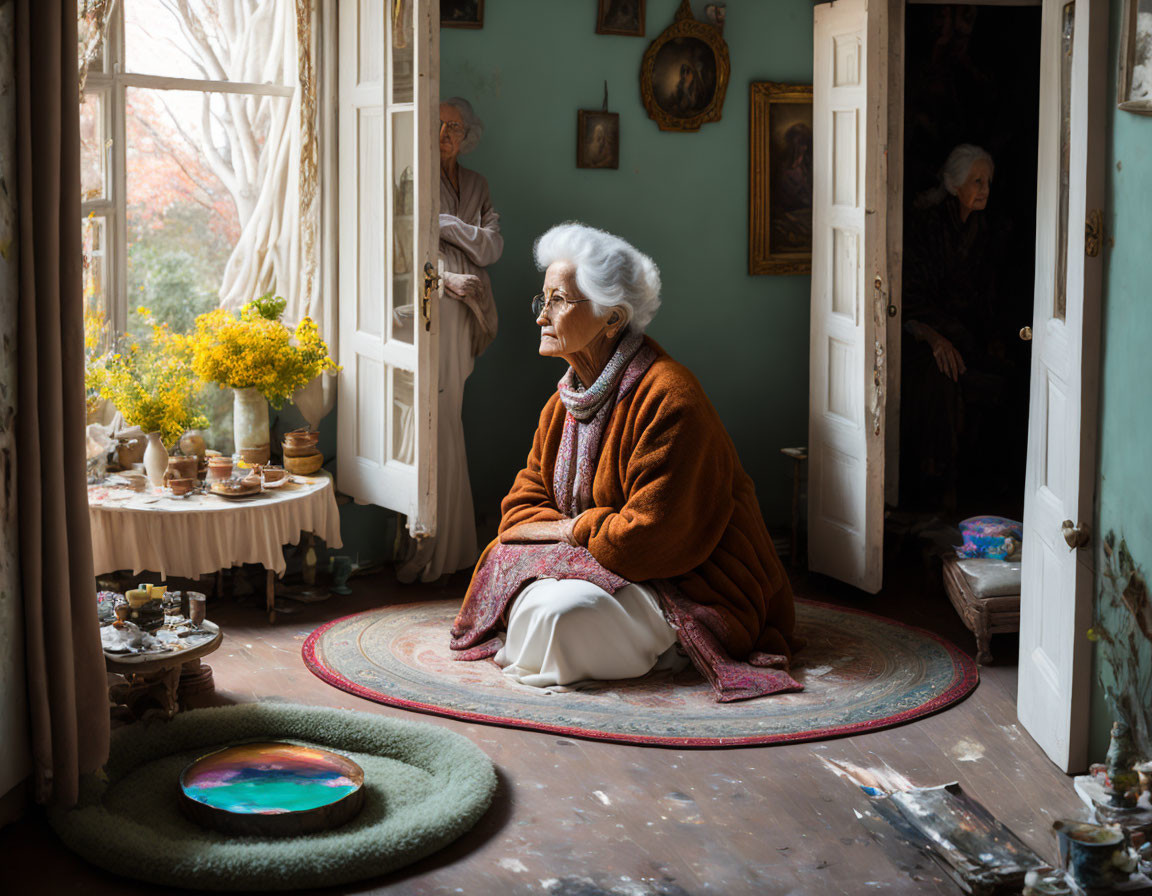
(860, 672)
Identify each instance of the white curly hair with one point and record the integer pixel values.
(610, 271)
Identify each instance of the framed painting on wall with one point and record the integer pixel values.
(1134, 85)
(461, 13)
(620, 17)
(684, 75)
(780, 178)
(597, 139)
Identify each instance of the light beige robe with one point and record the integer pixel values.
(470, 240)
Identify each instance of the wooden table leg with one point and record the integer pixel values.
(270, 594)
(196, 684)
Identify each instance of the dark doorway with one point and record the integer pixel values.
(972, 76)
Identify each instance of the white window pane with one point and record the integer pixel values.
(403, 249)
(93, 173)
(403, 416)
(208, 39)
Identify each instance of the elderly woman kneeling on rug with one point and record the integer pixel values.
(633, 528)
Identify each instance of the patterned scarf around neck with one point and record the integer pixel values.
(588, 412)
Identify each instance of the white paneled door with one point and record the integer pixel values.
(1056, 595)
(849, 275)
(389, 206)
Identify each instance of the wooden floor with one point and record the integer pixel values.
(582, 818)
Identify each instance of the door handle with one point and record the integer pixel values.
(1075, 536)
(1026, 334)
(431, 282)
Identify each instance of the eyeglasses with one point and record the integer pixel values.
(553, 302)
(455, 128)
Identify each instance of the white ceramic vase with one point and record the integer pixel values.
(155, 459)
(250, 425)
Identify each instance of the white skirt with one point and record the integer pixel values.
(561, 631)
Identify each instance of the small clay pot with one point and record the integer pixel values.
(182, 467)
(219, 468)
(130, 451)
(181, 486)
(255, 456)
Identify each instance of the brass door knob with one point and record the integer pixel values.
(1026, 334)
(1075, 536)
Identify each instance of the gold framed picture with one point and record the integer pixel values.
(780, 178)
(684, 75)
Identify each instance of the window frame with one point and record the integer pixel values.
(111, 82)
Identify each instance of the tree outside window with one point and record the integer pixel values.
(194, 168)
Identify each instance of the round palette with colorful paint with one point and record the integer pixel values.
(272, 789)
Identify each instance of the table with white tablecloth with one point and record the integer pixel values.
(202, 533)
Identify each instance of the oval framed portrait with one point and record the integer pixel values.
(684, 75)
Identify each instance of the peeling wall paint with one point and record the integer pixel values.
(14, 759)
(1123, 634)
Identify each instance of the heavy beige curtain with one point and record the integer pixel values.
(67, 694)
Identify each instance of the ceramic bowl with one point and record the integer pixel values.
(181, 486)
(299, 438)
(304, 466)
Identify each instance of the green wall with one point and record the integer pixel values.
(1123, 494)
(680, 197)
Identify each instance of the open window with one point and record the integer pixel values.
(199, 166)
(388, 221)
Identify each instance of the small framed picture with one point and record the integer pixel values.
(620, 17)
(597, 139)
(461, 13)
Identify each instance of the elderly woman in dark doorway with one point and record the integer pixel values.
(470, 240)
(632, 536)
(960, 370)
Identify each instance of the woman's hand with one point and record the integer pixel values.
(948, 359)
(462, 286)
(550, 532)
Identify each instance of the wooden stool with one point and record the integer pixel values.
(983, 616)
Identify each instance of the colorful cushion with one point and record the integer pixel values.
(990, 536)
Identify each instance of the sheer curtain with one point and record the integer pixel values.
(67, 693)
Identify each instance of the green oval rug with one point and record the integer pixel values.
(425, 786)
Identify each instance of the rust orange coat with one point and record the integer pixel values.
(671, 502)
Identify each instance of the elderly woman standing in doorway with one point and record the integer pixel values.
(961, 367)
(470, 240)
(632, 531)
